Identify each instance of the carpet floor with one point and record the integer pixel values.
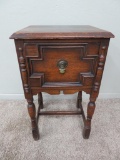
(61, 136)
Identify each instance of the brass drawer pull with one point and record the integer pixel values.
(62, 64)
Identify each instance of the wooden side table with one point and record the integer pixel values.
(61, 58)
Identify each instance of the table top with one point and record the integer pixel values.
(61, 32)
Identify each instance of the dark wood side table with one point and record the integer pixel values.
(61, 58)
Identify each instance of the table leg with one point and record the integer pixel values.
(32, 114)
(40, 100)
(79, 99)
(87, 125)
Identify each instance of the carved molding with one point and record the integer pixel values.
(37, 79)
(35, 91)
(23, 70)
(88, 77)
(100, 68)
(85, 78)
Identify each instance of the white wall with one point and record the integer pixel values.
(17, 14)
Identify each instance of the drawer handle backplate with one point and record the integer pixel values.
(62, 64)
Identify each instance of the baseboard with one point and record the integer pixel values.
(60, 96)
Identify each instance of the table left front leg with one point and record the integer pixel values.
(32, 114)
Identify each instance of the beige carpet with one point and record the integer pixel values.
(61, 136)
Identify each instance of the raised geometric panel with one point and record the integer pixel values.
(86, 79)
(31, 50)
(36, 80)
(81, 58)
(53, 55)
(93, 49)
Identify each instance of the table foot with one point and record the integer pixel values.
(86, 132)
(35, 133)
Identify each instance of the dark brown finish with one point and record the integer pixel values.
(90, 112)
(61, 58)
(79, 99)
(40, 100)
(32, 113)
(61, 32)
(60, 113)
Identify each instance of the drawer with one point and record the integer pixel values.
(73, 63)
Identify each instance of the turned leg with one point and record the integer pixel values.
(40, 100)
(32, 113)
(79, 99)
(87, 124)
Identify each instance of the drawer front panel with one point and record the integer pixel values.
(43, 59)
